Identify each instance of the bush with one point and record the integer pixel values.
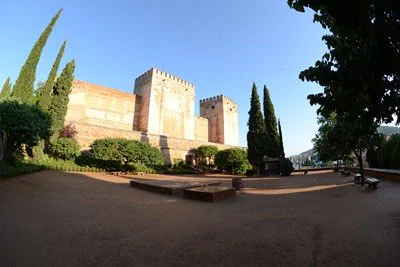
(64, 148)
(286, 167)
(16, 165)
(232, 160)
(389, 153)
(132, 151)
(66, 165)
(69, 131)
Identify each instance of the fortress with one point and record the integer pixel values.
(160, 111)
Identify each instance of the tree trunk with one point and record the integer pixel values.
(360, 164)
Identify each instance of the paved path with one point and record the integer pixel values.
(68, 219)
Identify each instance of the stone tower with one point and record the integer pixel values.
(167, 105)
(222, 115)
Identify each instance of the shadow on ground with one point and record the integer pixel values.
(58, 218)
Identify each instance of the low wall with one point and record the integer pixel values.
(393, 175)
(170, 147)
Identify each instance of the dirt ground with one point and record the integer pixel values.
(70, 219)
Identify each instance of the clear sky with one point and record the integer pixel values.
(221, 46)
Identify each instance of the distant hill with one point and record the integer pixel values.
(388, 130)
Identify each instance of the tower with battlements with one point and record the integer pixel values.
(167, 105)
(222, 115)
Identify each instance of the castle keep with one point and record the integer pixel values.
(161, 112)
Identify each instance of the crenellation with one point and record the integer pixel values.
(162, 105)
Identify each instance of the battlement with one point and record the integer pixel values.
(214, 99)
(160, 72)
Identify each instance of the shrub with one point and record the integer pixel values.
(69, 131)
(232, 160)
(132, 151)
(64, 148)
(286, 167)
(16, 165)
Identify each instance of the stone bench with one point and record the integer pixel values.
(372, 182)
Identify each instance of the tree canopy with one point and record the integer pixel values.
(206, 153)
(361, 70)
(21, 123)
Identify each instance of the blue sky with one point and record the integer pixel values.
(221, 46)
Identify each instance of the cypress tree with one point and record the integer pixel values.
(5, 91)
(46, 90)
(59, 99)
(24, 85)
(256, 134)
(272, 140)
(281, 149)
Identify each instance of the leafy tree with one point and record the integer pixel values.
(232, 160)
(45, 91)
(256, 135)
(281, 149)
(5, 91)
(360, 72)
(272, 142)
(23, 87)
(206, 153)
(339, 137)
(21, 123)
(59, 100)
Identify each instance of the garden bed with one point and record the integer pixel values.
(169, 187)
(209, 193)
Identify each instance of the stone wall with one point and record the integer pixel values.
(170, 147)
(201, 129)
(102, 106)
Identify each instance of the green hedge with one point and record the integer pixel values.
(132, 151)
(64, 148)
(16, 166)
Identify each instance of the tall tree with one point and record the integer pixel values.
(256, 135)
(59, 100)
(272, 144)
(24, 85)
(360, 73)
(46, 90)
(339, 137)
(281, 149)
(5, 91)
